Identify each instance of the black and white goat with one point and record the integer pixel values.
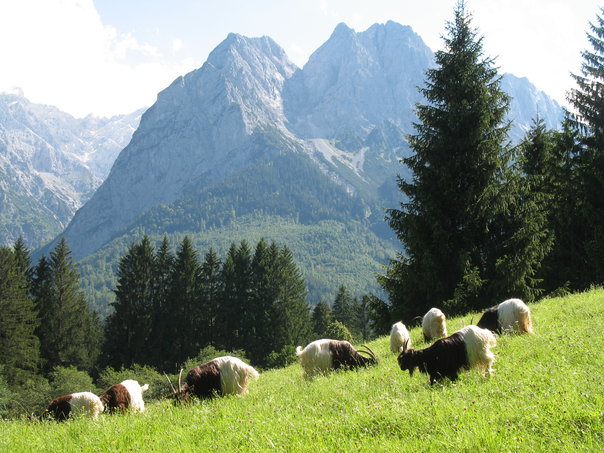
(467, 348)
(399, 337)
(511, 315)
(221, 376)
(85, 403)
(321, 356)
(434, 324)
(127, 395)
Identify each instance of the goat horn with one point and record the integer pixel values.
(369, 351)
(170, 382)
(179, 381)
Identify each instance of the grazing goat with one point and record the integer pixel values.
(75, 403)
(512, 315)
(127, 394)
(399, 336)
(434, 325)
(324, 355)
(467, 348)
(220, 376)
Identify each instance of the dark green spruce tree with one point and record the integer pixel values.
(128, 327)
(68, 331)
(163, 269)
(210, 297)
(236, 317)
(292, 321)
(345, 310)
(19, 345)
(184, 314)
(587, 99)
(321, 318)
(461, 224)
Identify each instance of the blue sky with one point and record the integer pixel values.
(113, 56)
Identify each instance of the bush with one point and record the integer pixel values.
(158, 386)
(338, 331)
(65, 380)
(208, 353)
(283, 358)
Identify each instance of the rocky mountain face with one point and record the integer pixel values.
(50, 164)
(345, 114)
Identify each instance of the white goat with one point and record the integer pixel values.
(434, 324)
(399, 336)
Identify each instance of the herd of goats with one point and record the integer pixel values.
(467, 348)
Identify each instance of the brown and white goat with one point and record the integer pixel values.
(85, 403)
(127, 395)
(321, 356)
(511, 315)
(467, 348)
(221, 376)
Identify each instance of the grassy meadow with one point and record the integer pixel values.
(547, 394)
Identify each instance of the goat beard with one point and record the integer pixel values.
(411, 372)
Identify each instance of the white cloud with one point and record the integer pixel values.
(60, 53)
(176, 45)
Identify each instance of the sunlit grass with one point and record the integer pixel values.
(546, 395)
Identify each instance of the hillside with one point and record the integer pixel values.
(546, 395)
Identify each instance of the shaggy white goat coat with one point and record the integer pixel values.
(399, 335)
(478, 347)
(86, 403)
(434, 324)
(315, 358)
(514, 315)
(234, 375)
(136, 394)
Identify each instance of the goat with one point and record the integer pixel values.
(434, 324)
(221, 376)
(512, 315)
(126, 395)
(467, 348)
(399, 336)
(63, 407)
(324, 355)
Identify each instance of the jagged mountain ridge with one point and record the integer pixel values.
(246, 106)
(50, 164)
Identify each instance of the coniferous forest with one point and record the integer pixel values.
(481, 221)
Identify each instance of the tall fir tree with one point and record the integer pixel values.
(587, 99)
(128, 327)
(461, 224)
(261, 337)
(183, 330)
(210, 297)
(163, 269)
(67, 332)
(237, 281)
(293, 324)
(321, 318)
(19, 345)
(345, 310)
(23, 259)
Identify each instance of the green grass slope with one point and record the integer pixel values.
(546, 395)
